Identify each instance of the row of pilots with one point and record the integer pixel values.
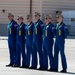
(17, 31)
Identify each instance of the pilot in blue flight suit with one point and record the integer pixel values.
(29, 39)
(12, 28)
(37, 43)
(20, 45)
(61, 34)
(48, 41)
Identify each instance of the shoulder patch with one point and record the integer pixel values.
(15, 25)
(53, 27)
(65, 27)
(42, 25)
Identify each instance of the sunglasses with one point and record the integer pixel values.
(27, 18)
(18, 19)
(57, 17)
(46, 18)
(9, 16)
(35, 15)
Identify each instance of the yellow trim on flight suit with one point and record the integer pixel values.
(36, 31)
(46, 33)
(11, 28)
(10, 31)
(29, 30)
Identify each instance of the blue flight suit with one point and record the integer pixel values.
(48, 35)
(29, 40)
(61, 34)
(37, 44)
(20, 45)
(12, 28)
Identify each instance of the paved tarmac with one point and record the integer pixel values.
(4, 59)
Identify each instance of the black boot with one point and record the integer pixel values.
(15, 66)
(25, 67)
(9, 65)
(42, 69)
(51, 69)
(33, 68)
(63, 71)
(54, 70)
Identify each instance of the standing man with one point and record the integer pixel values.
(20, 45)
(12, 27)
(61, 34)
(37, 42)
(48, 35)
(29, 39)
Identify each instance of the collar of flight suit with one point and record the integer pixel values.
(11, 22)
(48, 25)
(59, 25)
(21, 24)
(37, 22)
(30, 25)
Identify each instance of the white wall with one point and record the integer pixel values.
(18, 7)
(51, 6)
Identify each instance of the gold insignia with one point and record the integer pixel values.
(59, 32)
(19, 32)
(28, 32)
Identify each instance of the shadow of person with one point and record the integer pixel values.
(71, 73)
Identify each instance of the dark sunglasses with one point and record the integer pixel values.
(46, 18)
(57, 17)
(27, 18)
(18, 19)
(35, 15)
(8, 16)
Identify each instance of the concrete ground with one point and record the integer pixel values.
(4, 59)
